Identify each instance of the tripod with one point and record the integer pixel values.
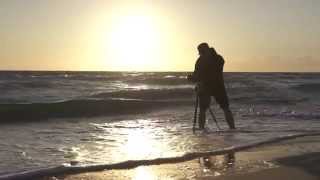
(195, 117)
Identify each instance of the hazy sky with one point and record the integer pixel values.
(252, 35)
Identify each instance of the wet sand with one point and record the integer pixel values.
(292, 159)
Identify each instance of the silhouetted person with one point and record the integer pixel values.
(208, 74)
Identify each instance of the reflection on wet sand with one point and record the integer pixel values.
(210, 167)
(143, 172)
(217, 165)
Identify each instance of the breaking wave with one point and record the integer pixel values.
(80, 108)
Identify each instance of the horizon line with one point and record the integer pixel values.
(17, 70)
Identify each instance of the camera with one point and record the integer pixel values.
(191, 78)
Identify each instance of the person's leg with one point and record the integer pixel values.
(222, 99)
(204, 104)
(202, 117)
(229, 117)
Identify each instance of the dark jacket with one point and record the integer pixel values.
(209, 71)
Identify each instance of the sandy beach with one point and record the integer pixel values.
(292, 159)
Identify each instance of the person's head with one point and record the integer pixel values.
(203, 48)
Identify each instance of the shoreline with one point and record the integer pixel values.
(238, 159)
(290, 159)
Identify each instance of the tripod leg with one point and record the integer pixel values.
(195, 113)
(214, 118)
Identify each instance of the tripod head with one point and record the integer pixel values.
(191, 78)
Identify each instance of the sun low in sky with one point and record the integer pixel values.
(134, 42)
(277, 35)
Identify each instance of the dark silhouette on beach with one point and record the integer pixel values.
(208, 75)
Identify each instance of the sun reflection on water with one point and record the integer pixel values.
(119, 141)
(141, 145)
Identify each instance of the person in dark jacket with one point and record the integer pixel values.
(208, 74)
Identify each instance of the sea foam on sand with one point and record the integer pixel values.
(292, 157)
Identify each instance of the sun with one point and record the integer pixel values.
(133, 43)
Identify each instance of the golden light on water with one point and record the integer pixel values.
(141, 144)
(140, 139)
(138, 145)
(136, 142)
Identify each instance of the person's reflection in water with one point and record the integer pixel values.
(217, 164)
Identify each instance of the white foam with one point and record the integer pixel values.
(67, 169)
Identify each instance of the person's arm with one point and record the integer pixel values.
(195, 76)
(221, 63)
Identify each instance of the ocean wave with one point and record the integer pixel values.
(14, 85)
(279, 100)
(286, 115)
(260, 88)
(149, 94)
(308, 87)
(162, 80)
(80, 108)
(265, 98)
(70, 169)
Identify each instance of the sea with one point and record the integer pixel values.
(86, 118)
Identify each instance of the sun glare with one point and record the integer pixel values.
(133, 42)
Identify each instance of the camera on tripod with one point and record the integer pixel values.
(191, 78)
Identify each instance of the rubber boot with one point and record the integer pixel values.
(229, 118)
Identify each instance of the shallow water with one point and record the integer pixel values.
(151, 115)
(162, 133)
